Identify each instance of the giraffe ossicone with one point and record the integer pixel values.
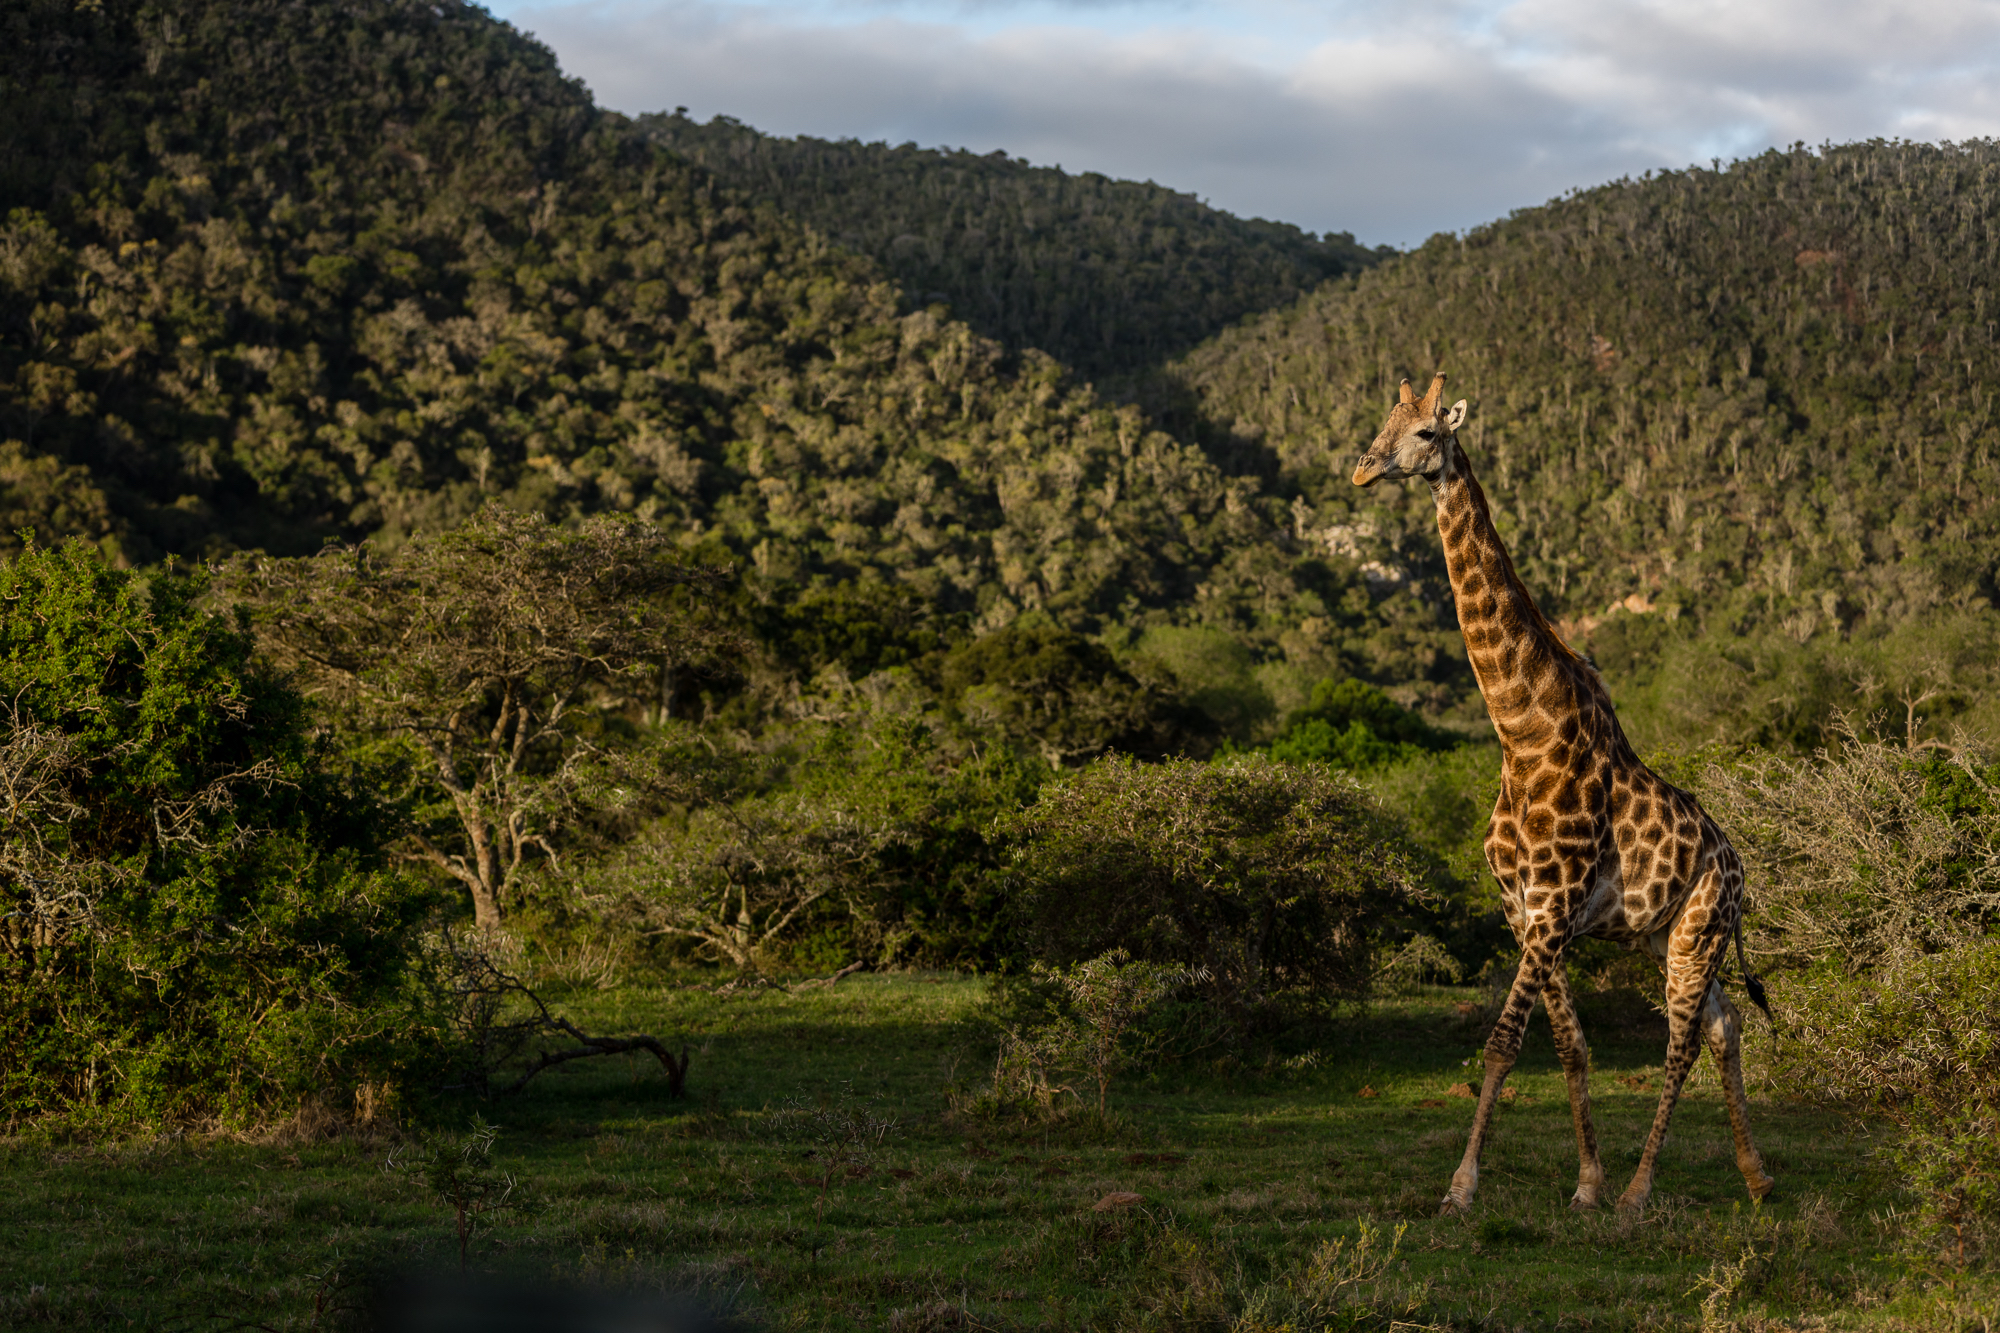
(1585, 839)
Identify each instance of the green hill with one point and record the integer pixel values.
(272, 274)
(268, 280)
(1750, 406)
(1108, 276)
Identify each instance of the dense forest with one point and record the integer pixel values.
(1110, 277)
(266, 285)
(1750, 406)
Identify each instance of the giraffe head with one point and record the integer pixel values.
(1415, 440)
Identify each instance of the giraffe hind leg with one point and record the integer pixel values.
(1574, 1052)
(1725, 1042)
(1691, 966)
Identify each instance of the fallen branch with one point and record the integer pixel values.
(817, 982)
(676, 1069)
(482, 988)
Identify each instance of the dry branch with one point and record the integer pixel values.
(676, 1068)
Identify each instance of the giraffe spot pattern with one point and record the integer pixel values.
(1584, 838)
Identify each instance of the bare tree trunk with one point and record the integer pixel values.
(484, 863)
(486, 908)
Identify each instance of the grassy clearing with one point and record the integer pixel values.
(775, 1188)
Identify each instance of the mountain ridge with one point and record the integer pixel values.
(272, 274)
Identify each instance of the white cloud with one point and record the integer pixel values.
(1348, 117)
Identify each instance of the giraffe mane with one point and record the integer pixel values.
(1535, 616)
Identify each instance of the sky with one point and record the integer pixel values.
(1388, 121)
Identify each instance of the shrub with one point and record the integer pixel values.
(1868, 850)
(1354, 725)
(195, 926)
(1104, 997)
(880, 849)
(480, 655)
(1062, 696)
(1263, 876)
(1919, 1028)
(1445, 799)
(1875, 876)
(1915, 1041)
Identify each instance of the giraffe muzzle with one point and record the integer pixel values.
(1368, 470)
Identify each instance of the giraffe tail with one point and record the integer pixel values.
(1751, 982)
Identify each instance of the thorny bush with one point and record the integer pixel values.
(1266, 877)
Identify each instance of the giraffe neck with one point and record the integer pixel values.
(1525, 670)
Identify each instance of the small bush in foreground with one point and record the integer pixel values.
(1104, 997)
(1920, 1028)
(1262, 876)
(1916, 1041)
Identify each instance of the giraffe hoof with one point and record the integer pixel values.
(1454, 1206)
(1761, 1190)
(1582, 1203)
(1630, 1206)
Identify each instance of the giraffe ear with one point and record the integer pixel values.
(1457, 417)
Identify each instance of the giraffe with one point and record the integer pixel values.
(1585, 839)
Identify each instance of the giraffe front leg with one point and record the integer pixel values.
(1725, 1043)
(1574, 1052)
(1538, 958)
(1688, 978)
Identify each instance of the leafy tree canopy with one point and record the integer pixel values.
(194, 921)
(488, 653)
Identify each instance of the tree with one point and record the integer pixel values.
(193, 920)
(1354, 725)
(879, 840)
(492, 651)
(1064, 696)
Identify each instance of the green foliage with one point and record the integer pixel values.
(844, 1137)
(1216, 672)
(1108, 276)
(1264, 877)
(195, 922)
(236, 311)
(1915, 1041)
(1921, 1030)
(458, 1172)
(1062, 696)
(484, 655)
(1949, 1161)
(301, 325)
(1868, 851)
(1742, 400)
(1354, 725)
(1337, 1287)
(861, 626)
(877, 847)
(1445, 799)
(1103, 998)
(1929, 676)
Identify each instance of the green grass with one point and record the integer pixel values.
(1246, 1172)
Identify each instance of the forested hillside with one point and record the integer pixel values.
(1751, 405)
(271, 275)
(1107, 276)
(268, 282)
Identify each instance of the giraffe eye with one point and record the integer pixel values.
(1426, 434)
